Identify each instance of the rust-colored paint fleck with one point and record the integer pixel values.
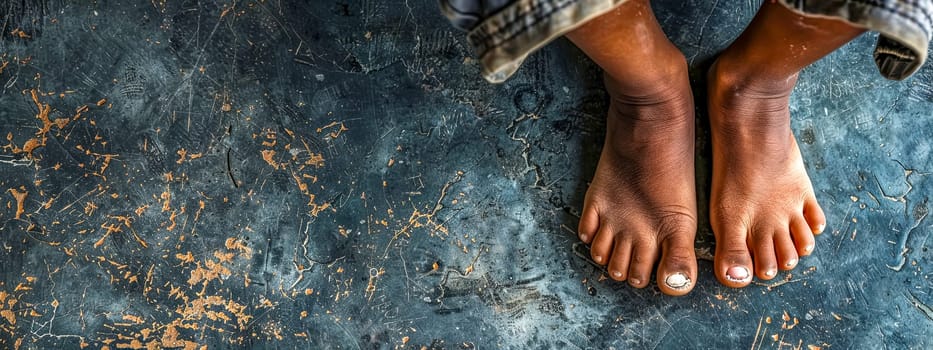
(233, 243)
(20, 34)
(20, 197)
(133, 318)
(339, 126)
(181, 155)
(9, 316)
(269, 156)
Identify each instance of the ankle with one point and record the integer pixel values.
(749, 106)
(659, 81)
(744, 77)
(664, 101)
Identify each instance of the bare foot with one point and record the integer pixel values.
(762, 207)
(642, 201)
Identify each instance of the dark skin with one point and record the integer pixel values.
(649, 132)
(640, 208)
(763, 209)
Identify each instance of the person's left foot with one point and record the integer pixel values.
(762, 204)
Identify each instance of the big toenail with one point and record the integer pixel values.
(616, 274)
(737, 274)
(677, 281)
(598, 258)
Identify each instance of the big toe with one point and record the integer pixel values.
(677, 270)
(733, 261)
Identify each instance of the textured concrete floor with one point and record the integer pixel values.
(184, 174)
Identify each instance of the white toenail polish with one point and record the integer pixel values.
(769, 273)
(617, 274)
(820, 228)
(597, 258)
(677, 281)
(791, 263)
(738, 274)
(583, 238)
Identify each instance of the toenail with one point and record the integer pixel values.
(583, 238)
(634, 281)
(738, 274)
(678, 281)
(790, 263)
(598, 258)
(808, 248)
(616, 274)
(820, 228)
(770, 273)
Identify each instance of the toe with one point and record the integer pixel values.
(619, 262)
(678, 266)
(765, 260)
(814, 215)
(786, 251)
(733, 261)
(589, 223)
(644, 254)
(803, 236)
(602, 245)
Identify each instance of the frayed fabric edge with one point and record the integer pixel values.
(902, 46)
(503, 41)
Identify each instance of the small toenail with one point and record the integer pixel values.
(634, 281)
(770, 273)
(820, 228)
(809, 248)
(678, 281)
(598, 258)
(790, 263)
(583, 238)
(738, 274)
(616, 274)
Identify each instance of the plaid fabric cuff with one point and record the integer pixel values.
(905, 27)
(503, 39)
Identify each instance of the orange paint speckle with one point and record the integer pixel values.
(20, 197)
(336, 125)
(9, 316)
(133, 318)
(185, 258)
(20, 33)
(234, 244)
(269, 156)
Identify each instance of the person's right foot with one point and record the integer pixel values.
(642, 201)
(762, 206)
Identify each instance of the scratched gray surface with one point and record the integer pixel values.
(337, 175)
